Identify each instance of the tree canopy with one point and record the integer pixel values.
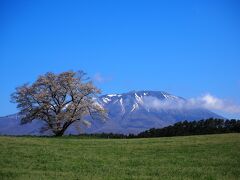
(59, 100)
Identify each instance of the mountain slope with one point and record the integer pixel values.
(137, 111)
(130, 112)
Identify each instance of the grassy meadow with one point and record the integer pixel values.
(189, 157)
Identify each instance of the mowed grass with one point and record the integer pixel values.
(192, 157)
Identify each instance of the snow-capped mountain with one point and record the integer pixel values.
(130, 112)
(137, 111)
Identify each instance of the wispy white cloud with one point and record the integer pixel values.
(151, 102)
(99, 78)
(206, 101)
(211, 102)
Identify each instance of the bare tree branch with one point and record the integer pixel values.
(58, 99)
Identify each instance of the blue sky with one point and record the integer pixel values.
(187, 48)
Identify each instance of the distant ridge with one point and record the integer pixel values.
(130, 112)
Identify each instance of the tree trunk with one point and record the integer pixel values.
(59, 133)
(64, 128)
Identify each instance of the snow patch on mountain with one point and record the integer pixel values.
(121, 102)
(135, 106)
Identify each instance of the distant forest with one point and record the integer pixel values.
(184, 128)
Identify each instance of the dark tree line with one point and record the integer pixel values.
(184, 128)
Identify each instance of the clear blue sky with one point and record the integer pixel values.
(187, 48)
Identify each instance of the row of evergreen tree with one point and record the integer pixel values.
(184, 128)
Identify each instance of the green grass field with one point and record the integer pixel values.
(192, 157)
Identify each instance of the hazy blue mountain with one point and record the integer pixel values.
(10, 125)
(130, 112)
(137, 111)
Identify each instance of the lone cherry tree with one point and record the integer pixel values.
(59, 100)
